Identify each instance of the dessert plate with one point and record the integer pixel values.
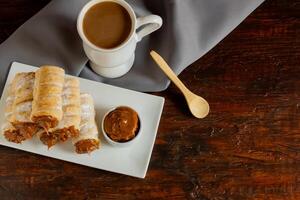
(132, 160)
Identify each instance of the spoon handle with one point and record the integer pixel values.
(169, 72)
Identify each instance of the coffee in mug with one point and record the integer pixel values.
(110, 31)
(107, 25)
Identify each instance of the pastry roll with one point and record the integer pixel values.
(9, 131)
(22, 105)
(47, 96)
(68, 127)
(20, 108)
(88, 139)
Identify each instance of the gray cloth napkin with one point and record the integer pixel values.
(191, 28)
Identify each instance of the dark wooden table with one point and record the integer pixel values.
(248, 147)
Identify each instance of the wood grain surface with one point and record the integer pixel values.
(247, 148)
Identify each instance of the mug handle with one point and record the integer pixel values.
(151, 23)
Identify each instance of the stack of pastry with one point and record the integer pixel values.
(48, 104)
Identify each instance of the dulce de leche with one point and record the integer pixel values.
(121, 124)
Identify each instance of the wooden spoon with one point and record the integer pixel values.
(198, 106)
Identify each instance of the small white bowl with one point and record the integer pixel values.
(120, 144)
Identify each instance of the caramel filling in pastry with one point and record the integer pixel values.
(86, 146)
(46, 122)
(13, 135)
(49, 139)
(61, 135)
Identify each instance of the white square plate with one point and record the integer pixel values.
(132, 160)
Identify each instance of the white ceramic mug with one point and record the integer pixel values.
(116, 62)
